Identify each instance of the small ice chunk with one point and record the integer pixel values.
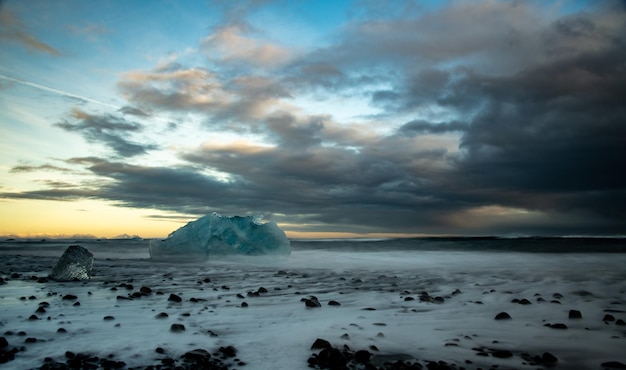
(75, 264)
(217, 235)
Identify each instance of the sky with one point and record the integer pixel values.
(331, 118)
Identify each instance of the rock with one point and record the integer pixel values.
(613, 365)
(620, 322)
(176, 328)
(556, 326)
(197, 355)
(33, 317)
(74, 265)
(549, 358)
(162, 315)
(311, 303)
(574, 314)
(331, 358)
(108, 318)
(334, 303)
(69, 297)
(3, 342)
(502, 354)
(175, 298)
(228, 351)
(362, 356)
(321, 344)
(144, 290)
(524, 302)
(503, 316)
(608, 317)
(244, 304)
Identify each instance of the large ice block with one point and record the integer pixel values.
(75, 264)
(216, 235)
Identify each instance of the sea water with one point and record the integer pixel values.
(377, 282)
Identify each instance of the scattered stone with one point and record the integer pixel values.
(556, 326)
(312, 302)
(162, 315)
(176, 328)
(334, 303)
(321, 344)
(620, 322)
(362, 356)
(174, 298)
(503, 316)
(108, 318)
(61, 330)
(502, 354)
(228, 351)
(144, 290)
(613, 365)
(524, 302)
(244, 304)
(69, 297)
(549, 358)
(608, 317)
(33, 317)
(575, 314)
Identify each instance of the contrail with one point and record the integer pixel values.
(57, 91)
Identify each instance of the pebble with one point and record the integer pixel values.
(503, 316)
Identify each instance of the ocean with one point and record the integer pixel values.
(419, 301)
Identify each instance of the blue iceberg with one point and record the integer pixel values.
(215, 235)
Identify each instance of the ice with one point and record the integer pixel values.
(75, 264)
(216, 235)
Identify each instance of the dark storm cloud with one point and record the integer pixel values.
(107, 129)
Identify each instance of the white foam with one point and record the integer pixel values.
(277, 330)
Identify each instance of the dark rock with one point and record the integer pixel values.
(33, 317)
(334, 303)
(145, 290)
(40, 310)
(261, 290)
(74, 265)
(438, 300)
(407, 299)
(524, 302)
(3, 342)
(620, 322)
(228, 351)
(311, 303)
(61, 330)
(244, 304)
(159, 350)
(177, 328)
(549, 358)
(575, 314)
(613, 365)
(331, 358)
(76, 304)
(556, 326)
(502, 353)
(503, 316)
(162, 315)
(30, 340)
(321, 344)
(197, 356)
(362, 356)
(608, 317)
(557, 295)
(108, 318)
(69, 297)
(174, 298)
(122, 298)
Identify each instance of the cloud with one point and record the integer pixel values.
(13, 29)
(516, 126)
(229, 45)
(107, 129)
